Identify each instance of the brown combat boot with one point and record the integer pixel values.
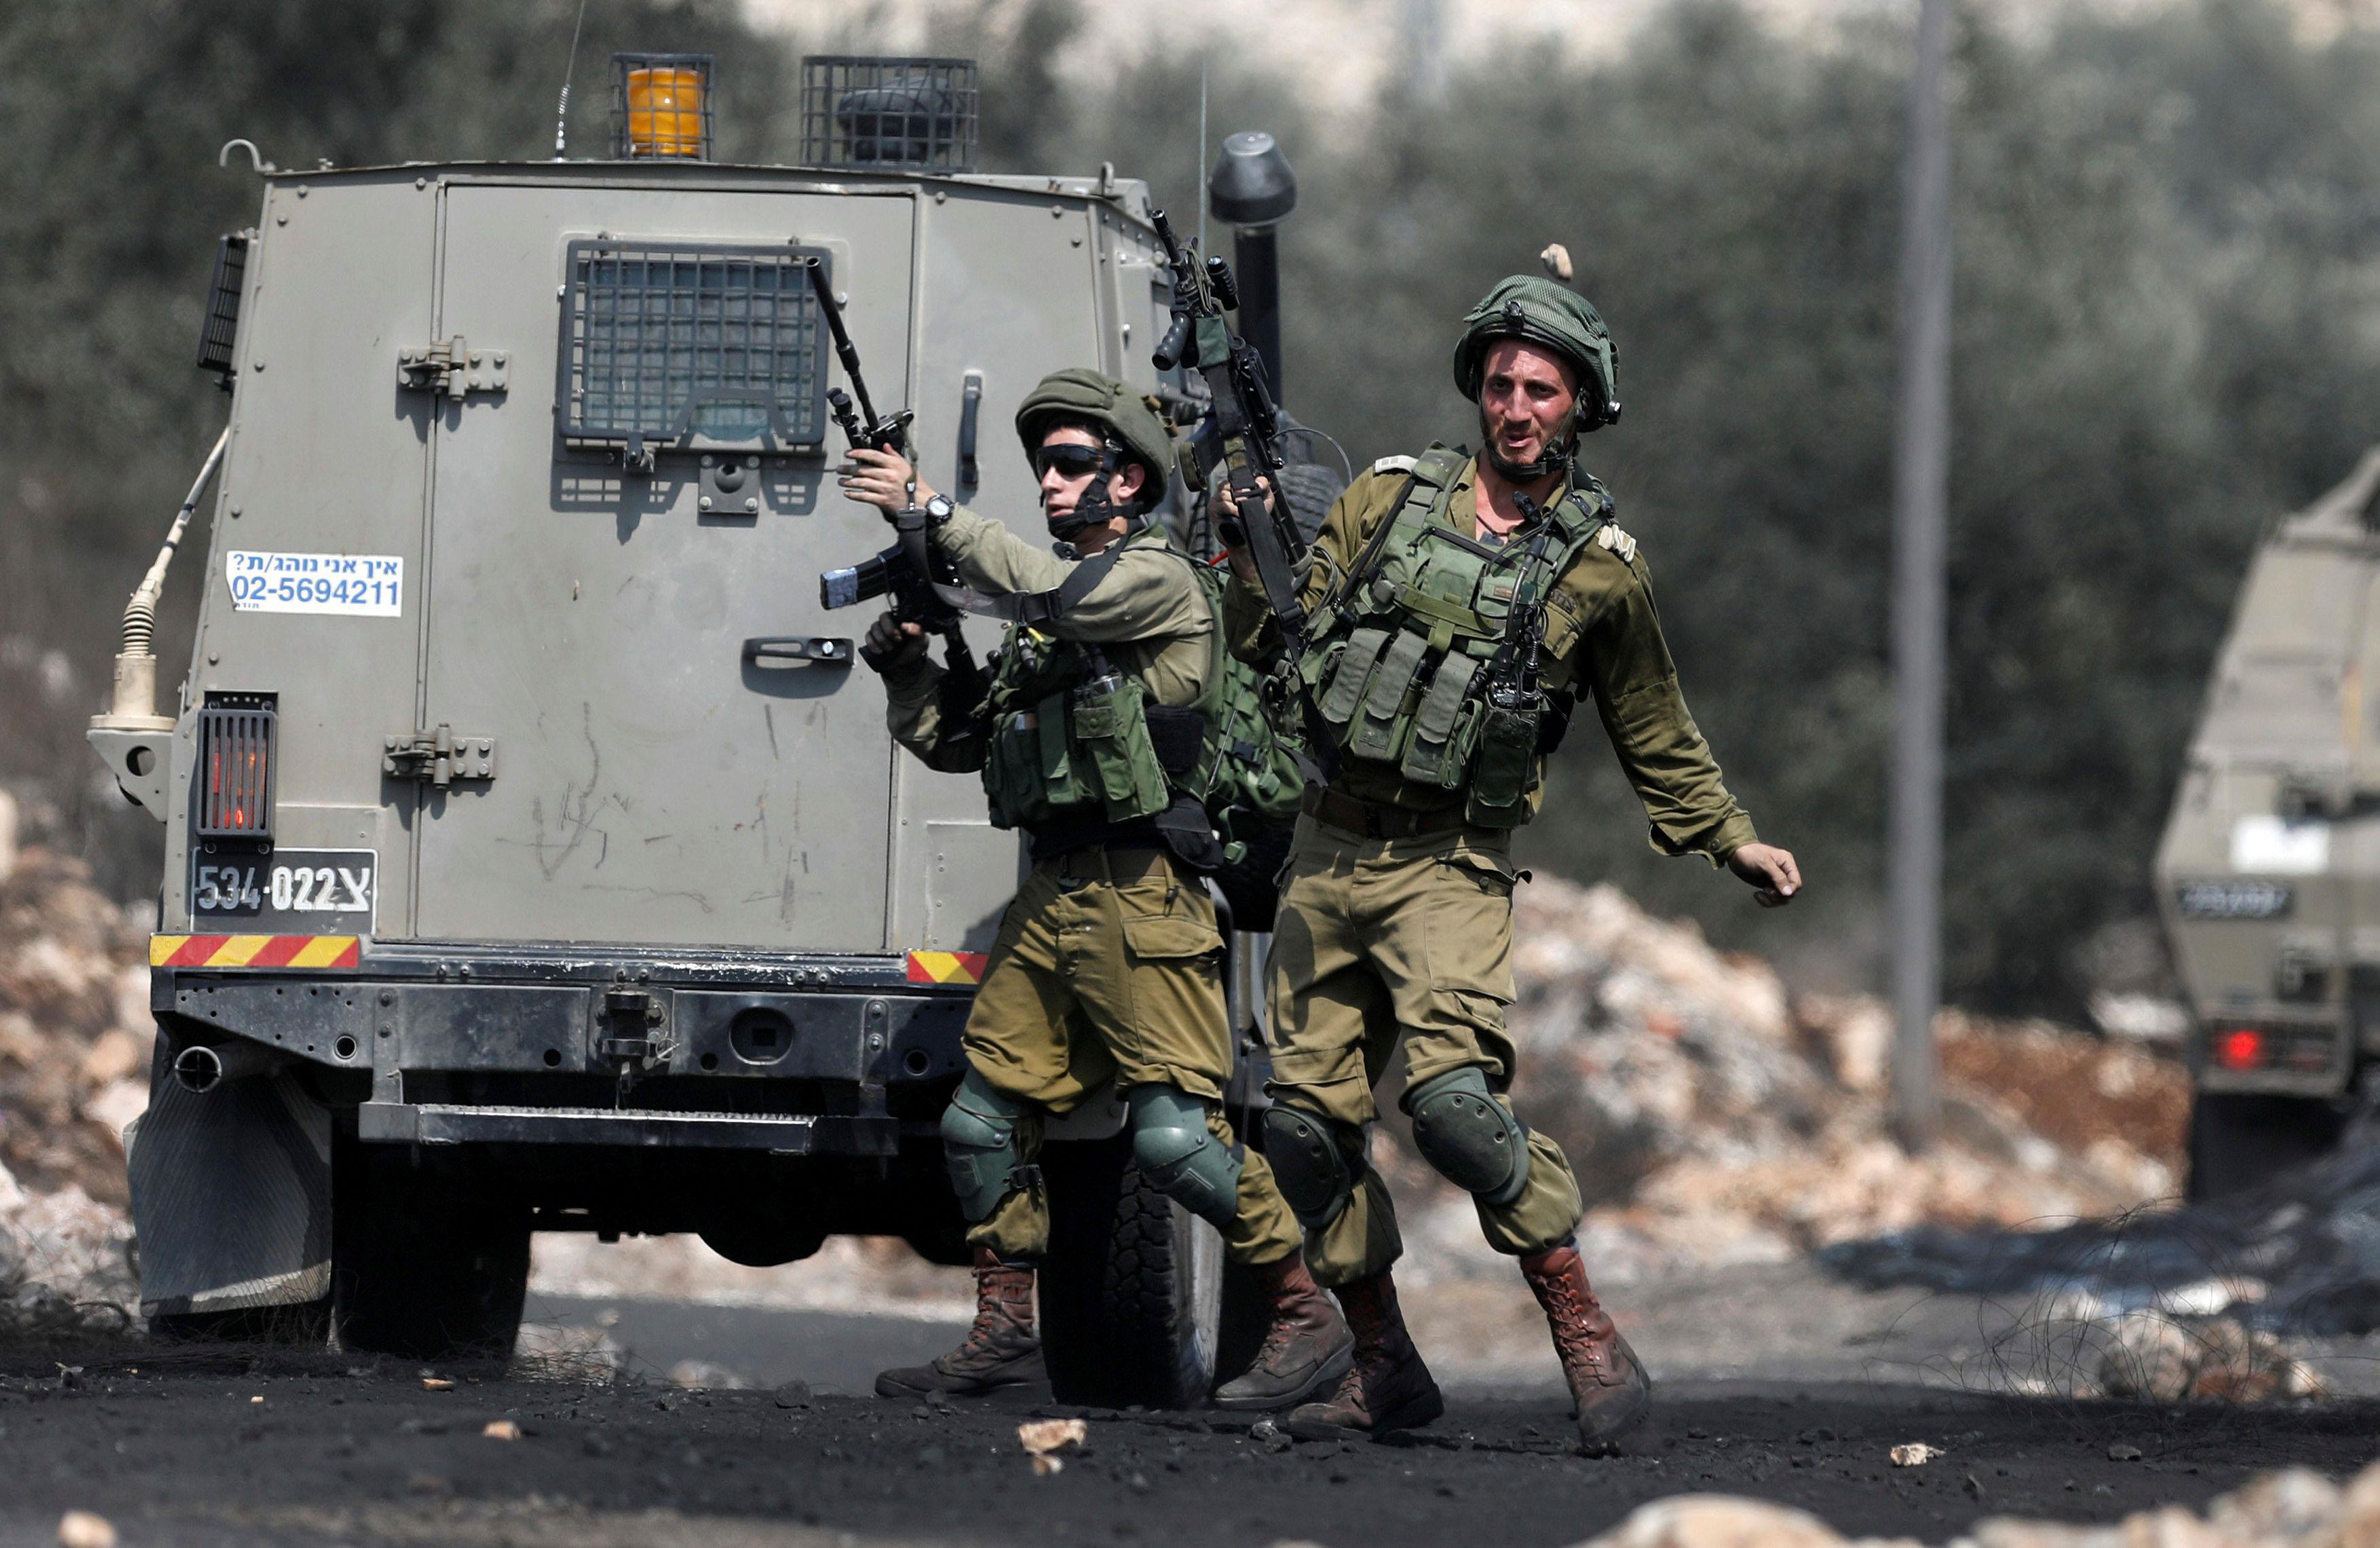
(1306, 1348)
(999, 1351)
(1386, 1387)
(1607, 1380)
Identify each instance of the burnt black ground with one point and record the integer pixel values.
(181, 1452)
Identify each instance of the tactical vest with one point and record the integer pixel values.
(1424, 656)
(1070, 738)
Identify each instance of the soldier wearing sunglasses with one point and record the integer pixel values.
(1106, 965)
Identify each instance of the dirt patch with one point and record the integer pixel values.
(2073, 1090)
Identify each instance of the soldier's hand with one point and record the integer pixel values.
(1769, 869)
(885, 480)
(892, 643)
(1243, 566)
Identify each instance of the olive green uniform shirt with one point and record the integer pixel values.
(1603, 637)
(1148, 614)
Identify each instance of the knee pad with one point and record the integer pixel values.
(1173, 1150)
(1471, 1138)
(979, 1146)
(1308, 1165)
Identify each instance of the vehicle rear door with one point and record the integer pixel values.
(656, 779)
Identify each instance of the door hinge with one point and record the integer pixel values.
(451, 367)
(439, 757)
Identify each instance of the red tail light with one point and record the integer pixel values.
(235, 768)
(2240, 1048)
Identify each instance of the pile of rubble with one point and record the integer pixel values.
(74, 1042)
(2296, 1507)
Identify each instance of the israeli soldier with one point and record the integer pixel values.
(1106, 964)
(1468, 601)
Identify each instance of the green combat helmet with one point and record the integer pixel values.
(1525, 306)
(1081, 393)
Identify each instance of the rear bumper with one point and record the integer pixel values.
(448, 1044)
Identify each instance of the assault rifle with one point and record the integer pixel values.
(911, 570)
(1245, 431)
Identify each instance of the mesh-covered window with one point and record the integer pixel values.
(887, 110)
(661, 342)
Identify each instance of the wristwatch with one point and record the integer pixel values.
(938, 509)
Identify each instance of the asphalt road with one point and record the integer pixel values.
(220, 1447)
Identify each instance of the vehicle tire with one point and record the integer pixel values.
(1312, 488)
(2240, 1141)
(303, 1325)
(1132, 1288)
(425, 1264)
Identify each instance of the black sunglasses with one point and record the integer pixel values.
(1071, 459)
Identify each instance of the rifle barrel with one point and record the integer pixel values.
(844, 348)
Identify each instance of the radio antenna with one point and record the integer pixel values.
(1201, 168)
(562, 108)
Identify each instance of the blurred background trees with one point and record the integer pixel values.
(2167, 326)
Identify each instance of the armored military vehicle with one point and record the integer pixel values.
(2268, 876)
(537, 860)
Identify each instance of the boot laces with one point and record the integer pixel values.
(1571, 1317)
(990, 1312)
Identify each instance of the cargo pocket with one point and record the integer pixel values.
(1165, 918)
(1165, 937)
(1467, 922)
(1174, 1031)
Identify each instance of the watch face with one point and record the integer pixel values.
(939, 505)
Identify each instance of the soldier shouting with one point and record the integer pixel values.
(1467, 601)
(1106, 964)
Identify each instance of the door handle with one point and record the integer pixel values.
(825, 649)
(970, 405)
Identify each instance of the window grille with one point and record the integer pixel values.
(669, 343)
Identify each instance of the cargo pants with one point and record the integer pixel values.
(1386, 938)
(1107, 965)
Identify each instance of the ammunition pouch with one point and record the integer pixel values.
(1505, 767)
(1178, 735)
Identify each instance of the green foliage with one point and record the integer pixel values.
(2168, 326)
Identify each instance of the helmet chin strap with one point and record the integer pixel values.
(1553, 460)
(1093, 509)
(1096, 505)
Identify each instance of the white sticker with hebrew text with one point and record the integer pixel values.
(355, 585)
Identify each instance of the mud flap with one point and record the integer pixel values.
(231, 1195)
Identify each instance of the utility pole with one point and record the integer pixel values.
(1921, 521)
